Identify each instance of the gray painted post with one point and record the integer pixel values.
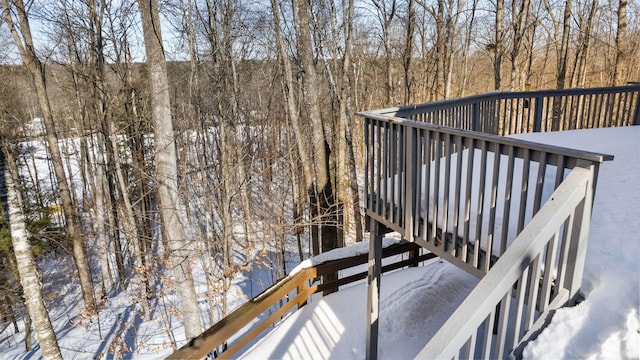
(410, 159)
(537, 117)
(636, 119)
(578, 241)
(373, 290)
(475, 119)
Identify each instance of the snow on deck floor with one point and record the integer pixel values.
(415, 302)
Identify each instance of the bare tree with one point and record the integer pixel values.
(25, 260)
(619, 70)
(22, 37)
(171, 208)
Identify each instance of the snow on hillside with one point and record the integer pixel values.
(414, 303)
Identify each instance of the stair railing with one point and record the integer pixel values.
(239, 328)
(538, 273)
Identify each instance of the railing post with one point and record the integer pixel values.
(537, 117)
(636, 118)
(373, 289)
(578, 241)
(410, 159)
(475, 117)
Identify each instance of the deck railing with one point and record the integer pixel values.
(231, 334)
(512, 212)
(463, 195)
(540, 272)
(506, 113)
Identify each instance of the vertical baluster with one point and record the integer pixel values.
(456, 203)
(493, 204)
(467, 198)
(503, 321)
(402, 171)
(378, 180)
(419, 181)
(547, 277)
(367, 163)
(469, 348)
(521, 291)
(385, 170)
(542, 168)
(624, 115)
(446, 190)
(534, 284)
(436, 190)
(564, 252)
(537, 117)
(507, 200)
(394, 174)
(524, 189)
(427, 182)
(479, 218)
(487, 336)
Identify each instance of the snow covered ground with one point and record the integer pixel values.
(415, 302)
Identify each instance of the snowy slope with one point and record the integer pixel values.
(414, 302)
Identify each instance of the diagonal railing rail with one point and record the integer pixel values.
(236, 330)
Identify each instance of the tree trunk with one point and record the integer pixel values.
(619, 69)
(499, 45)
(292, 112)
(27, 265)
(25, 46)
(169, 202)
(564, 47)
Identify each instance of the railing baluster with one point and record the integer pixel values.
(471, 148)
(521, 291)
(542, 168)
(456, 202)
(503, 321)
(507, 200)
(524, 189)
(446, 193)
(534, 285)
(380, 142)
(436, 190)
(495, 182)
(481, 191)
(549, 264)
(487, 336)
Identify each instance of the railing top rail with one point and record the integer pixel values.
(494, 95)
(578, 154)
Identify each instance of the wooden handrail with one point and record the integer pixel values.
(232, 324)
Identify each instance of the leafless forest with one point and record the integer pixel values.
(207, 136)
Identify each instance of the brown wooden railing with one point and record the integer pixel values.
(288, 294)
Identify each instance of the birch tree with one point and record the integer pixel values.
(25, 259)
(21, 34)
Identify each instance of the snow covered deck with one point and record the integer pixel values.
(415, 302)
